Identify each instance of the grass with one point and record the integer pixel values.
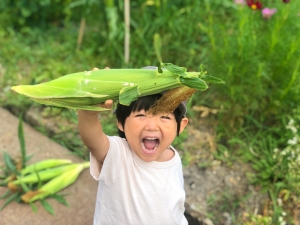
(258, 58)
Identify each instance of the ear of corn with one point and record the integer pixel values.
(43, 175)
(87, 89)
(44, 164)
(56, 184)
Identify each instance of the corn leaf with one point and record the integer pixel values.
(33, 207)
(60, 198)
(6, 194)
(9, 163)
(212, 79)
(24, 187)
(22, 142)
(47, 206)
(11, 198)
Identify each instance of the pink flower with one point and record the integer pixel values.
(267, 13)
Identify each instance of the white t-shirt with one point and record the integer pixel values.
(134, 192)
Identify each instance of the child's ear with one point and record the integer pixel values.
(183, 124)
(120, 126)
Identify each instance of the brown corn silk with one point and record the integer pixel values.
(171, 99)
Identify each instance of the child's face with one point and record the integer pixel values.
(149, 136)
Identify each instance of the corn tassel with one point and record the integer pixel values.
(85, 90)
(56, 184)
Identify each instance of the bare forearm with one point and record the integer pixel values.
(92, 135)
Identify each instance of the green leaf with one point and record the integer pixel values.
(212, 79)
(128, 95)
(60, 199)
(33, 207)
(9, 163)
(157, 42)
(28, 157)
(24, 186)
(174, 69)
(194, 82)
(6, 194)
(22, 141)
(159, 68)
(11, 198)
(47, 206)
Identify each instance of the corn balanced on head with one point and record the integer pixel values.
(85, 90)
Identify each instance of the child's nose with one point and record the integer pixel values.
(152, 124)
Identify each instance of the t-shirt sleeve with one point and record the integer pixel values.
(111, 168)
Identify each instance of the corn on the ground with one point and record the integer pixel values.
(43, 175)
(56, 184)
(85, 90)
(44, 164)
(34, 167)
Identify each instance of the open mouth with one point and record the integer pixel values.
(150, 144)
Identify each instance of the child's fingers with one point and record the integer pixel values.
(108, 103)
(95, 68)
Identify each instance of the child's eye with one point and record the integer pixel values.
(140, 115)
(165, 117)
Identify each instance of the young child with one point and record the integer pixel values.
(139, 173)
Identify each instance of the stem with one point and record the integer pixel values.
(80, 33)
(127, 30)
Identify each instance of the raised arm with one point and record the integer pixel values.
(91, 132)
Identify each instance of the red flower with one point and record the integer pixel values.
(286, 1)
(254, 4)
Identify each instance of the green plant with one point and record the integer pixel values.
(257, 58)
(24, 14)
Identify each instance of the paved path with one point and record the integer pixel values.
(81, 195)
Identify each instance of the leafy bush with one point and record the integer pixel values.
(22, 13)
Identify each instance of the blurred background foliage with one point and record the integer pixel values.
(257, 55)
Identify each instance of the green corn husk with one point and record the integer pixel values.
(56, 184)
(44, 164)
(85, 90)
(43, 175)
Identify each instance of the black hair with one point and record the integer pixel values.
(142, 103)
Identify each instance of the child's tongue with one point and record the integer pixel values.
(150, 144)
